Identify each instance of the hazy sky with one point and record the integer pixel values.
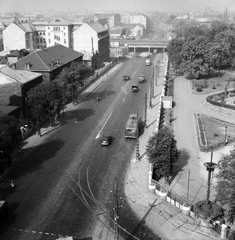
(82, 6)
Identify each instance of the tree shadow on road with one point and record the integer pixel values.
(93, 95)
(34, 158)
(78, 115)
(180, 164)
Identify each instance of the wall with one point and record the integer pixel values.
(13, 38)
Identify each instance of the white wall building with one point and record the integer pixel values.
(19, 35)
(59, 31)
(139, 19)
(92, 39)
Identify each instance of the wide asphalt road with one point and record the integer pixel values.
(65, 185)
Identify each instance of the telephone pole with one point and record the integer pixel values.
(116, 206)
(137, 139)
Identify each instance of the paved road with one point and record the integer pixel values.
(64, 184)
(191, 180)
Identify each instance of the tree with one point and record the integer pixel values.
(225, 190)
(195, 58)
(223, 49)
(162, 152)
(74, 77)
(8, 132)
(216, 28)
(174, 50)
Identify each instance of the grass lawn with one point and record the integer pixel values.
(214, 130)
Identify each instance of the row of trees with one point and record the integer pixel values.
(196, 50)
(44, 98)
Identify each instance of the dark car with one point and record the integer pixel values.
(134, 88)
(107, 139)
(126, 77)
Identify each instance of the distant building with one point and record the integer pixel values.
(116, 32)
(49, 61)
(59, 31)
(117, 48)
(40, 26)
(139, 19)
(20, 35)
(92, 39)
(114, 21)
(133, 31)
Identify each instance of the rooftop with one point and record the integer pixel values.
(49, 58)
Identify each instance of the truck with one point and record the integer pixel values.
(147, 62)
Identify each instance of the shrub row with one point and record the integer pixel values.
(210, 99)
(201, 131)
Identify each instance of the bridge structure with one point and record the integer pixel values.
(145, 45)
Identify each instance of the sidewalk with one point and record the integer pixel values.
(165, 220)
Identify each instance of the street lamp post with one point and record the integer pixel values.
(210, 167)
(225, 135)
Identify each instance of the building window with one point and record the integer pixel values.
(48, 28)
(64, 34)
(64, 41)
(56, 29)
(49, 41)
(64, 28)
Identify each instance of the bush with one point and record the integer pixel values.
(199, 89)
(211, 210)
(211, 99)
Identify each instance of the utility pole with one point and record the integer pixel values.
(145, 110)
(137, 139)
(210, 167)
(116, 206)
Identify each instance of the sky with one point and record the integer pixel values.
(86, 6)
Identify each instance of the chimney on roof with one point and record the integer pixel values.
(27, 65)
(57, 61)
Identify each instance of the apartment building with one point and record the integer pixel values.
(92, 39)
(19, 35)
(59, 31)
(114, 20)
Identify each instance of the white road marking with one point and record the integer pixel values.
(124, 90)
(98, 135)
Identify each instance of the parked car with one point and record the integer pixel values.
(126, 77)
(107, 139)
(141, 78)
(134, 88)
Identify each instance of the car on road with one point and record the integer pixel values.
(142, 78)
(107, 139)
(134, 88)
(126, 77)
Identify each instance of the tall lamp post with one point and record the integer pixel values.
(225, 135)
(210, 167)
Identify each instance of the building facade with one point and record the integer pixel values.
(59, 31)
(50, 61)
(92, 39)
(114, 20)
(17, 36)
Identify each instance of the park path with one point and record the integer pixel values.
(191, 181)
